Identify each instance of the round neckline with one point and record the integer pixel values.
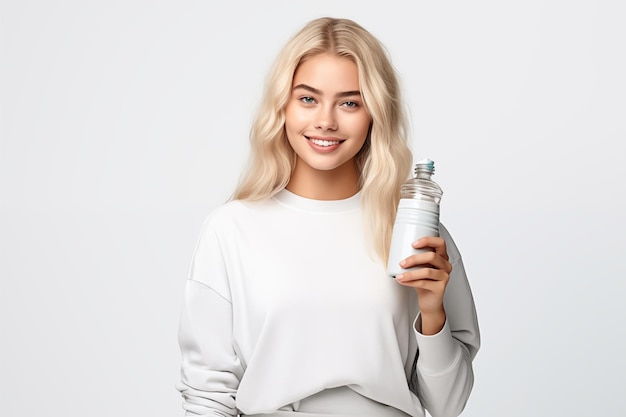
(296, 201)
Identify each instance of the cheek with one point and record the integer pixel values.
(363, 126)
(293, 119)
(291, 127)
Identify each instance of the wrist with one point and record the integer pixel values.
(432, 321)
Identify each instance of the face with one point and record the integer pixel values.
(325, 120)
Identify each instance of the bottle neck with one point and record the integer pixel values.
(421, 174)
(421, 187)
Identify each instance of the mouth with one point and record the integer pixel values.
(324, 142)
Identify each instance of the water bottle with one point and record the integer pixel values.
(417, 215)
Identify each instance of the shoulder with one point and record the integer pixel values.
(228, 215)
(227, 210)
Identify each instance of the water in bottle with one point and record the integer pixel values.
(417, 215)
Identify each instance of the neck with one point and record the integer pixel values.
(336, 184)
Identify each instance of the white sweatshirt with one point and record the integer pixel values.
(285, 299)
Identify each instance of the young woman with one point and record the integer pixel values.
(288, 309)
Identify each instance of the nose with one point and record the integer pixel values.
(326, 118)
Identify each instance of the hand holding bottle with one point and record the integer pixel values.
(418, 256)
(429, 280)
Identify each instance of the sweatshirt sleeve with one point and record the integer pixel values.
(210, 369)
(443, 376)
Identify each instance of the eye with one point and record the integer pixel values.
(307, 100)
(350, 104)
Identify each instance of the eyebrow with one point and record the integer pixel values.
(319, 92)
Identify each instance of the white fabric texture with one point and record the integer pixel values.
(285, 300)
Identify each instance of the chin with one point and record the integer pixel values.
(325, 165)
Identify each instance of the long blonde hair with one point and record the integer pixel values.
(385, 160)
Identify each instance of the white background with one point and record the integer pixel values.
(123, 123)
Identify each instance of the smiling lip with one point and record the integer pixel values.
(324, 141)
(322, 144)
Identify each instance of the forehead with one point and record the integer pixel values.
(328, 72)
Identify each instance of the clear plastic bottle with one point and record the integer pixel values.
(417, 216)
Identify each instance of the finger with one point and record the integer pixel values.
(435, 242)
(423, 274)
(428, 259)
(435, 287)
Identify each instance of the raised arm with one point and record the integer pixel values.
(442, 375)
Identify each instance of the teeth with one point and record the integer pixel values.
(319, 142)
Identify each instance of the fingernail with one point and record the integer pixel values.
(403, 262)
(400, 277)
(416, 243)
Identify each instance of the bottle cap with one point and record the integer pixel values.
(425, 165)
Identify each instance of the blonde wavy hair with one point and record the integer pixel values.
(385, 160)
